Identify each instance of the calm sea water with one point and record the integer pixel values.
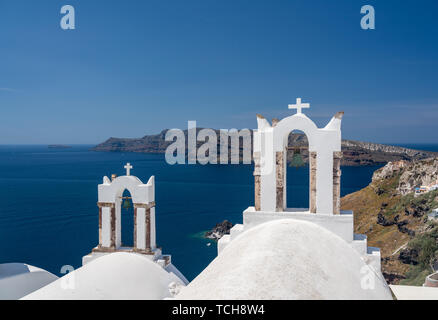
(49, 216)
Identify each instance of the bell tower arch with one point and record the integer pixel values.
(110, 199)
(270, 145)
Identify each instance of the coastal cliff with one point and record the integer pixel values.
(395, 218)
(356, 153)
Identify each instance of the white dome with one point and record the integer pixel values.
(118, 275)
(20, 279)
(287, 259)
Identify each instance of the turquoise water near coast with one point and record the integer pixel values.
(49, 216)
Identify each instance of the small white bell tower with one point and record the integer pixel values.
(110, 196)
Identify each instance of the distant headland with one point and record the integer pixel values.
(355, 153)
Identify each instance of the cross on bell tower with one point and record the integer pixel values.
(128, 168)
(299, 106)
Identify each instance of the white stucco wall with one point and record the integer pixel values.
(106, 226)
(141, 193)
(414, 293)
(341, 225)
(141, 228)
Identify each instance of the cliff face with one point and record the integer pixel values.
(356, 153)
(418, 174)
(147, 144)
(395, 219)
(412, 174)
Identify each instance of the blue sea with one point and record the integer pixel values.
(49, 216)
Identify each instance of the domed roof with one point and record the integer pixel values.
(287, 259)
(20, 279)
(118, 275)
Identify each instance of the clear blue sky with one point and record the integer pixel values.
(136, 67)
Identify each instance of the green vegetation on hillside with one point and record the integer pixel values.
(425, 250)
(397, 223)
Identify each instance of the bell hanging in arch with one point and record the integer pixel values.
(126, 203)
(297, 159)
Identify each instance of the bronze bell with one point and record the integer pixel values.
(297, 159)
(126, 203)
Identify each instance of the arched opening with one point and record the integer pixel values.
(297, 171)
(125, 218)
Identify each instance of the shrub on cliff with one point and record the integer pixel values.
(425, 247)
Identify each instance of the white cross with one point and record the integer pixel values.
(128, 168)
(299, 106)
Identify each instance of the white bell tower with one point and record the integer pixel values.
(110, 196)
(270, 168)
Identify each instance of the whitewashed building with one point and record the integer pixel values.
(433, 215)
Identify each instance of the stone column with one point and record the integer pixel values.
(312, 184)
(112, 223)
(144, 215)
(337, 157)
(100, 225)
(148, 230)
(135, 228)
(113, 228)
(279, 166)
(257, 181)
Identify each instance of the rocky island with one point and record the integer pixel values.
(219, 230)
(356, 153)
